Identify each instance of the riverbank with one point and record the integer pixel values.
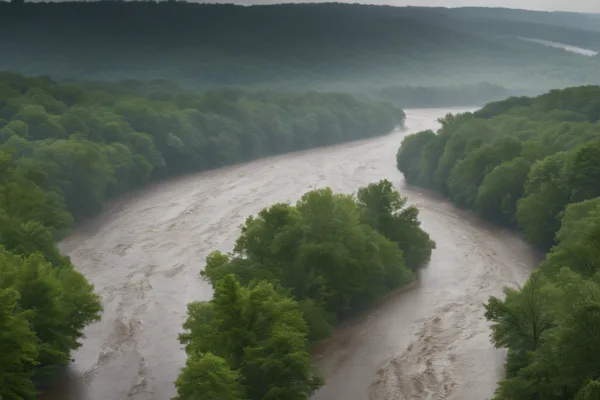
(144, 256)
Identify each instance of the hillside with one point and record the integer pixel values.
(346, 47)
(581, 30)
(579, 21)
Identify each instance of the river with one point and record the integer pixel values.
(144, 253)
(563, 46)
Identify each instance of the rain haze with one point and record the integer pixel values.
(584, 6)
(299, 199)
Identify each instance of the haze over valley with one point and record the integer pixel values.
(299, 201)
(417, 53)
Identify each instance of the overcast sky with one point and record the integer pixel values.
(548, 5)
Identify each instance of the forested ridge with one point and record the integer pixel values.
(576, 29)
(121, 94)
(562, 19)
(294, 271)
(343, 47)
(66, 148)
(533, 164)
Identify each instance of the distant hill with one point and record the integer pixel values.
(578, 21)
(354, 48)
(571, 28)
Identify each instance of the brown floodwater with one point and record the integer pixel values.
(144, 253)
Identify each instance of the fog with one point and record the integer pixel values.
(585, 6)
(138, 139)
(143, 255)
(572, 49)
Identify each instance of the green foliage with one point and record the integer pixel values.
(516, 162)
(56, 303)
(579, 248)
(500, 190)
(590, 392)
(409, 155)
(19, 349)
(577, 218)
(524, 317)
(544, 199)
(294, 270)
(532, 163)
(384, 209)
(246, 343)
(333, 253)
(66, 148)
(105, 139)
(207, 376)
(564, 314)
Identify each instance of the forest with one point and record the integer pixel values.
(66, 148)
(109, 96)
(576, 29)
(353, 48)
(531, 164)
(294, 271)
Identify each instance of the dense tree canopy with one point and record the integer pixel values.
(246, 343)
(66, 148)
(84, 143)
(334, 253)
(532, 163)
(44, 303)
(294, 270)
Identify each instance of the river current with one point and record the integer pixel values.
(426, 342)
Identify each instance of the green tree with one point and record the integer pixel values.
(546, 195)
(323, 253)
(19, 349)
(409, 154)
(533, 162)
(67, 148)
(578, 346)
(584, 173)
(590, 392)
(385, 210)
(58, 303)
(206, 376)
(500, 190)
(254, 330)
(523, 319)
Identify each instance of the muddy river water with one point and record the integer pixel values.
(144, 253)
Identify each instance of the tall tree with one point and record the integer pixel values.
(19, 349)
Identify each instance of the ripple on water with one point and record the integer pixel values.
(144, 254)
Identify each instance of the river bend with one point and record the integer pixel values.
(144, 253)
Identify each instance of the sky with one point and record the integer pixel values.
(592, 6)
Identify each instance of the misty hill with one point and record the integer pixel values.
(578, 21)
(294, 46)
(575, 29)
